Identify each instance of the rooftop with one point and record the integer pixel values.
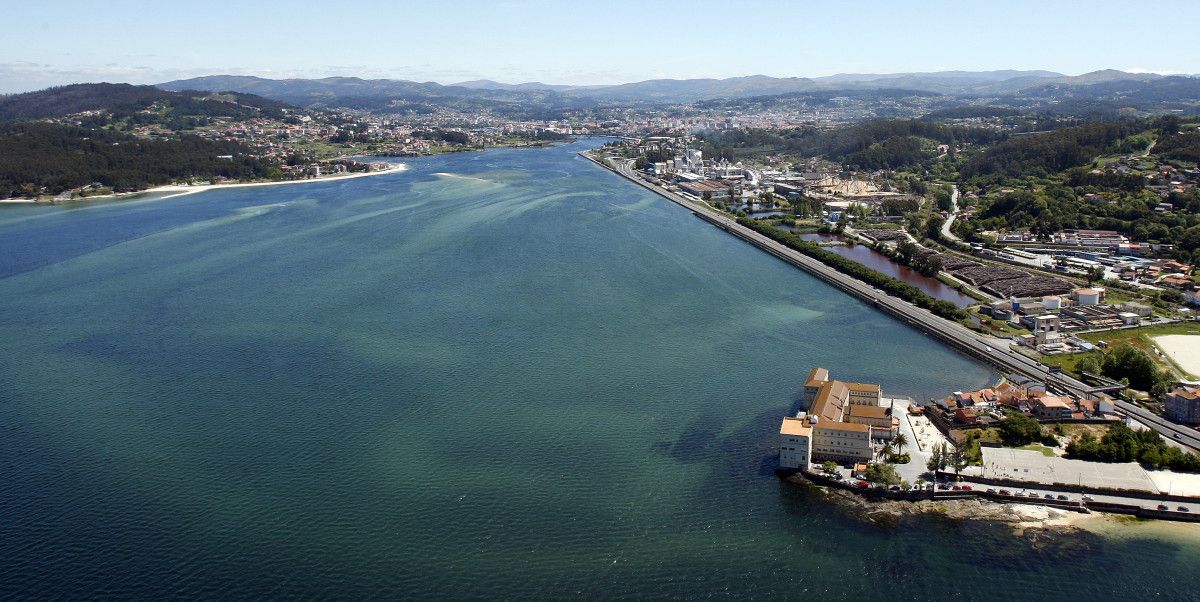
(862, 387)
(829, 401)
(845, 426)
(817, 377)
(1053, 401)
(867, 411)
(797, 427)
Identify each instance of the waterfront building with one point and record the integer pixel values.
(816, 378)
(842, 442)
(795, 438)
(840, 423)
(883, 424)
(864, 394)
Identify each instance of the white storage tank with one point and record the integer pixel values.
(1087, 296)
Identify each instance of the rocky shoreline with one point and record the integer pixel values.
(1040, 526)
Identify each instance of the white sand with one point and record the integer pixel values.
(1184, 350)
(175, 190)
(180, 190)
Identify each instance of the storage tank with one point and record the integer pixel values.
(1087, 296)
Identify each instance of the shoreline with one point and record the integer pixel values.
(991, 351)
(1025, 520)
(175, 190)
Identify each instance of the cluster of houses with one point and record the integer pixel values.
(984, 407)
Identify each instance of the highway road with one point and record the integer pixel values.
(996, 352)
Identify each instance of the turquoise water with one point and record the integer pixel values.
(500, 374)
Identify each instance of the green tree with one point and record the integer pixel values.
(884, 474)
(958, 459)
(900, 440)
(829, 467)
(1132, 363)
(1088, 364)
(938, 458)
(1018, 429)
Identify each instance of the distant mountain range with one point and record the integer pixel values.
(942, 82)
(332, 90)
(126, 99)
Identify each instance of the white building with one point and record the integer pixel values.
(832, 428)
(795, 438)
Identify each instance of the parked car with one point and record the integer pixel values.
(966, 488)
(991, 490)
(1033, 494)
(894, 488)
(956, 488)
(1005, 492)
(1049, 496)
(1163, 507)
(943, 486)
(863, 484)
(1183, 509)
(1088, 498)
(1062, 497)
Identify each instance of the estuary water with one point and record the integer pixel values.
(502, 374)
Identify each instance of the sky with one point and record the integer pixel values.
(53, 42)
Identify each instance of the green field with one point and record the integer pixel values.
(1046, 451)
(1142, 339)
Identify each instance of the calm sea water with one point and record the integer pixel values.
(502, 374)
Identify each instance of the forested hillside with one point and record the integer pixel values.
(1044, 153)
(874, 144)
(44, 158)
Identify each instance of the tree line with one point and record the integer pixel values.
(1123, 444)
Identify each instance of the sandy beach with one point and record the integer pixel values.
(1184, 350)
(174, 190)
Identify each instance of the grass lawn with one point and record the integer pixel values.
(1068, 361)
(1074, 431)
(1046, 451)
(974, 437)
(998, 327)
(1141, 338)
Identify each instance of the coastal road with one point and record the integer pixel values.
(994, 351)
(1146, 501)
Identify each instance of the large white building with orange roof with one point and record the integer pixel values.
(841, 421)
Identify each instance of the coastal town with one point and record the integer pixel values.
(1070, 310)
